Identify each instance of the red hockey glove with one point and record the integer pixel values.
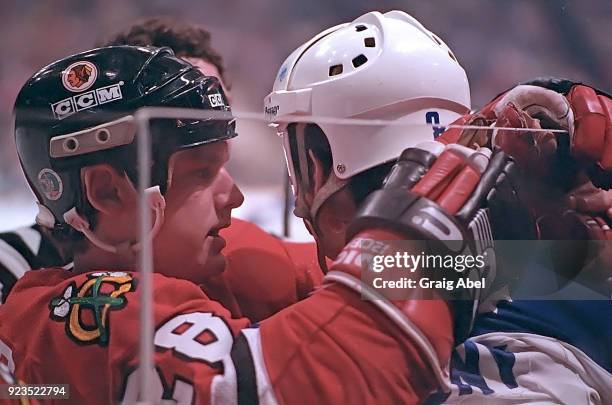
(584, 112)
(458, 200)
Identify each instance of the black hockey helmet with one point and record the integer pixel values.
(76, 112)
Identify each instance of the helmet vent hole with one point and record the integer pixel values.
(369, 42)
(359, 60)
(103, 135)
(71, 145)
(360, 28)
(452, 56)
(335, 70)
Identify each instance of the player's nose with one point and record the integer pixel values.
(227, 193)
(236, 197)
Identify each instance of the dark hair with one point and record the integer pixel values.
(185, 39)
(360, 185)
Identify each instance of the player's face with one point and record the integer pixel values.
(332, 218)
(332, 221)
(199, 200)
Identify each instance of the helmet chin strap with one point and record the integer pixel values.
(309, 215)
(332, 185)
(155, 201)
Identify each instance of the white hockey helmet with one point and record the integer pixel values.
(380, 66)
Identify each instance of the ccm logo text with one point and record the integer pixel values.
(103, 95)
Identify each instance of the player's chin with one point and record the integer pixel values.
(331, 248)
(212, 254)
(215, 264)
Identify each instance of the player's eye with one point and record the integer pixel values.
(205, 174)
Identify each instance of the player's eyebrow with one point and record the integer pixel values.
(216, 154)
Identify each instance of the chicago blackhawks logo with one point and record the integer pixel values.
(79, 76)
(85, 309)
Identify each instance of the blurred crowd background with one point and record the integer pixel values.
(498, 42)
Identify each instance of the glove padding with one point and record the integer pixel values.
(562, 172)
(583, 112)
(591, 139)
(459, 200)
(456, 182)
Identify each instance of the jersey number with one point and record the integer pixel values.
(199, 336)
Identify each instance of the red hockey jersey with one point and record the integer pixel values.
(333, 347)
(264, 274)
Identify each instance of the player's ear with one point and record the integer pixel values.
(338, 212)
(107, 190)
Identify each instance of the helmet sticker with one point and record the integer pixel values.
(216, 100)
(271, 112)
(67, 107)
(282, 73)
(51, 184)
(79, 76)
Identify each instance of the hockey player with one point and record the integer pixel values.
(351, 71)
(255, 259)
(80, 162)
(31, 247)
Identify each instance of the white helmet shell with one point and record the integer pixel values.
(380, 66)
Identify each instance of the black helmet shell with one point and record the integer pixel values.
(100, 86)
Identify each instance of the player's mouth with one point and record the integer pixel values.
(214, 231)
(217, 242)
